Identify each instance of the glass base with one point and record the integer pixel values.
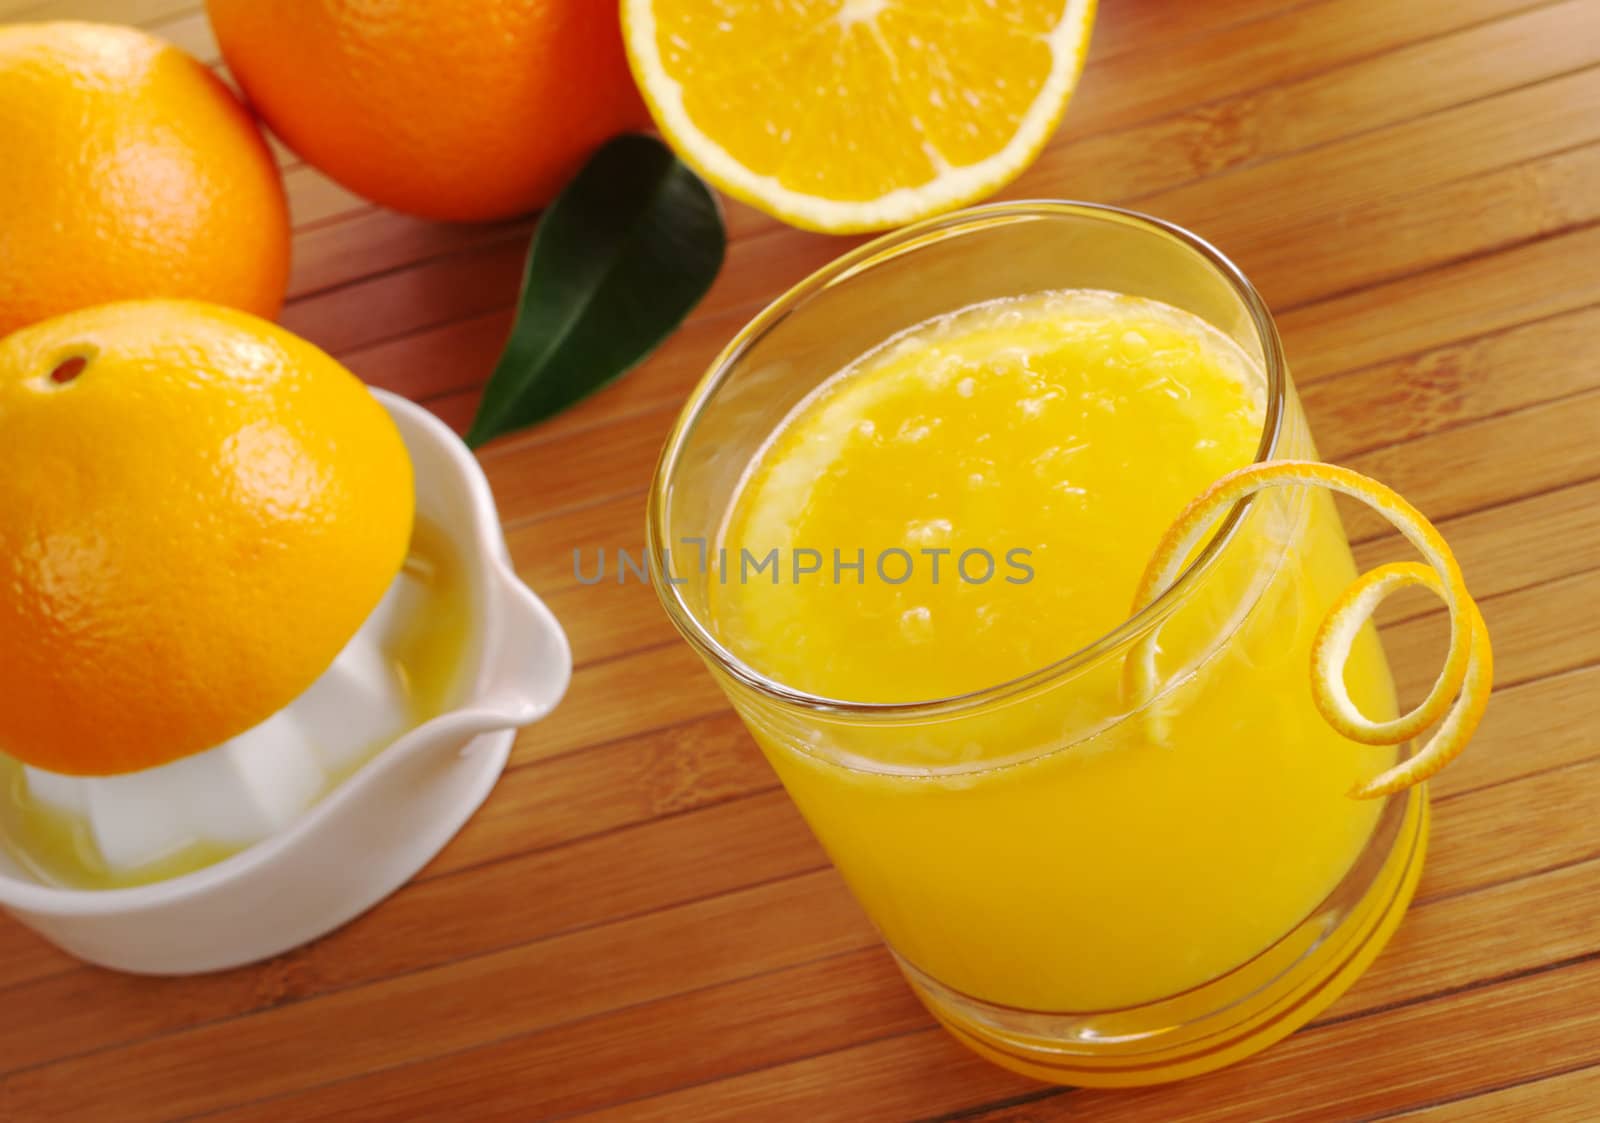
(1232, 1016)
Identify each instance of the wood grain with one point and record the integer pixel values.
(1420, 1051)
(1227, 132)
(639, 926)
(1567, 1098)
(799, 999)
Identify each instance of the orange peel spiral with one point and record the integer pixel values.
(1459, 693)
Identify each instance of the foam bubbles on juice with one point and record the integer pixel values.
(1071, 425)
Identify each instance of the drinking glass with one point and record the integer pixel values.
(1106, 892)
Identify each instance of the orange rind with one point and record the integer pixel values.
(1459, 693)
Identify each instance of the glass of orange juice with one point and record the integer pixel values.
(903, 519)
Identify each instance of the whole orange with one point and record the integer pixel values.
(455, 109)
(129, 170)
(197, 512)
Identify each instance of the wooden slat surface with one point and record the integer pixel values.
(638, 924)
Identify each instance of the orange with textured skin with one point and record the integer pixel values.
(462, 110)
(197, 511)
(129, 171)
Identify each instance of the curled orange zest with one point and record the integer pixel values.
(1460, 692)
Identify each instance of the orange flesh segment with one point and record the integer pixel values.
(852, 99)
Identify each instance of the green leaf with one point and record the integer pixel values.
(619, 259)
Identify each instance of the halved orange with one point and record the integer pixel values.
(848, 115)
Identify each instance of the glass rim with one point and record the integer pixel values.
(843, 269)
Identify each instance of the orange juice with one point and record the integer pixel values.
(974, 501)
